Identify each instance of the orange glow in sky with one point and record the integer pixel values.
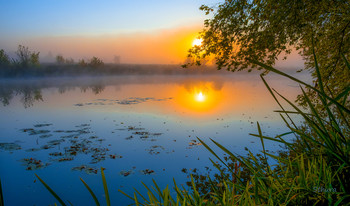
(163, 46)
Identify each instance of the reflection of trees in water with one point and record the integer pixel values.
(62, 89)
(31, 94)
(28, 95)
(30, 91)
(96, 89)
(5, 96)
(191, 86)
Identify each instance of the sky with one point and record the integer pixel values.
(139, 31)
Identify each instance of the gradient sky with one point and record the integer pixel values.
(139, 31)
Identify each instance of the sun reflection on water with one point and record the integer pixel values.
(199, 97)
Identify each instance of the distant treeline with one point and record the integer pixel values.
(27, 63)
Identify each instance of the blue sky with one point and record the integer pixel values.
(27, 18)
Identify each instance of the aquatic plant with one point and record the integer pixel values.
(1, 196)
(108, 202)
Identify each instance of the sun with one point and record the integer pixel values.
(200, 97)
(197, 42)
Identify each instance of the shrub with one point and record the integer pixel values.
(4, 59)
(82, 63)
(60, 59)
(26, 58)
(96, 62)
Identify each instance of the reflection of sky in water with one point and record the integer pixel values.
(151, 122)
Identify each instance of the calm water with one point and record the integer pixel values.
(138, 128)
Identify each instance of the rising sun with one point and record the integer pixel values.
(197, 42)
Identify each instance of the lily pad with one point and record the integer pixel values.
(42, 125)
(36, 132)
(45, 136)
(33, 164)
(10, 146)
(147, 171)
(126, 173)
(87, 169)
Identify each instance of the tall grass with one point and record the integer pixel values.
(314, 170)
(1, 196)
(63, 203)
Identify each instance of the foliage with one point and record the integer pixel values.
(4, 58)
(96, 62)
(26, 58)
(60, 59)
(1, 196)
(262, 30)
(82, 63)
(69, 61)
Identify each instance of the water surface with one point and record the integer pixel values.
(138, 128)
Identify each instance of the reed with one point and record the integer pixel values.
(108, 202)
(1, 196)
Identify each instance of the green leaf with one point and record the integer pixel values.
(319, 78)
(91, 192)
(119, 190)
(269, 68)
(51, 191)
(108, 202)
(346, 61)
(1, 196)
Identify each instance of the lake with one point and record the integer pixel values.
(138, 128)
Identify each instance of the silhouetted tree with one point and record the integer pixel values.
(34, 59)
(96, 62)
(26, 58)
(82, 63)
(60, 59)
(69, 61)
(244, 30)
(4, 59)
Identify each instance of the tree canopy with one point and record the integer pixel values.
(240, 30)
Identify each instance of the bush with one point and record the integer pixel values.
(82, 63)
(26, 58)
(96, 62)
(60, 59)
(4, 59)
